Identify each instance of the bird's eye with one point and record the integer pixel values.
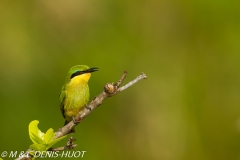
(76, 73)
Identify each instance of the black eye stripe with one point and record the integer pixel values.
(76, 74)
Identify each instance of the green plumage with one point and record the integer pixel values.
(74, 94)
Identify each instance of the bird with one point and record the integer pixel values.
(74, 94)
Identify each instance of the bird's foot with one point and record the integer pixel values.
(75, 121)
(89, 108)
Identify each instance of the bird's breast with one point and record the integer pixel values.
(77, 95)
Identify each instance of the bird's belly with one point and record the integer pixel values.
(69, 113)
(76, 99)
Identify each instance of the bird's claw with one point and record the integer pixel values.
(89, 108)
(74, 120)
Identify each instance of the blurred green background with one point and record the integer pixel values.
(187, 109)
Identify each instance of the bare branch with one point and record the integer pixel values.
(68, 146)
(129, 84)
(109, 90)
(121, 79)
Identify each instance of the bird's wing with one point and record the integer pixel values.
(62, 98)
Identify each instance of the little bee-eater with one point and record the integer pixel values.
(74, 94)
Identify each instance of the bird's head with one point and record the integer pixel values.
(82, 72)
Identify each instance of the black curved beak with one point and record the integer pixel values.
(93, 69)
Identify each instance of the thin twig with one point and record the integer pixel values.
(121, 79)
(129, 84)
(68, 146)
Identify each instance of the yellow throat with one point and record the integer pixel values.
(80, 78)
